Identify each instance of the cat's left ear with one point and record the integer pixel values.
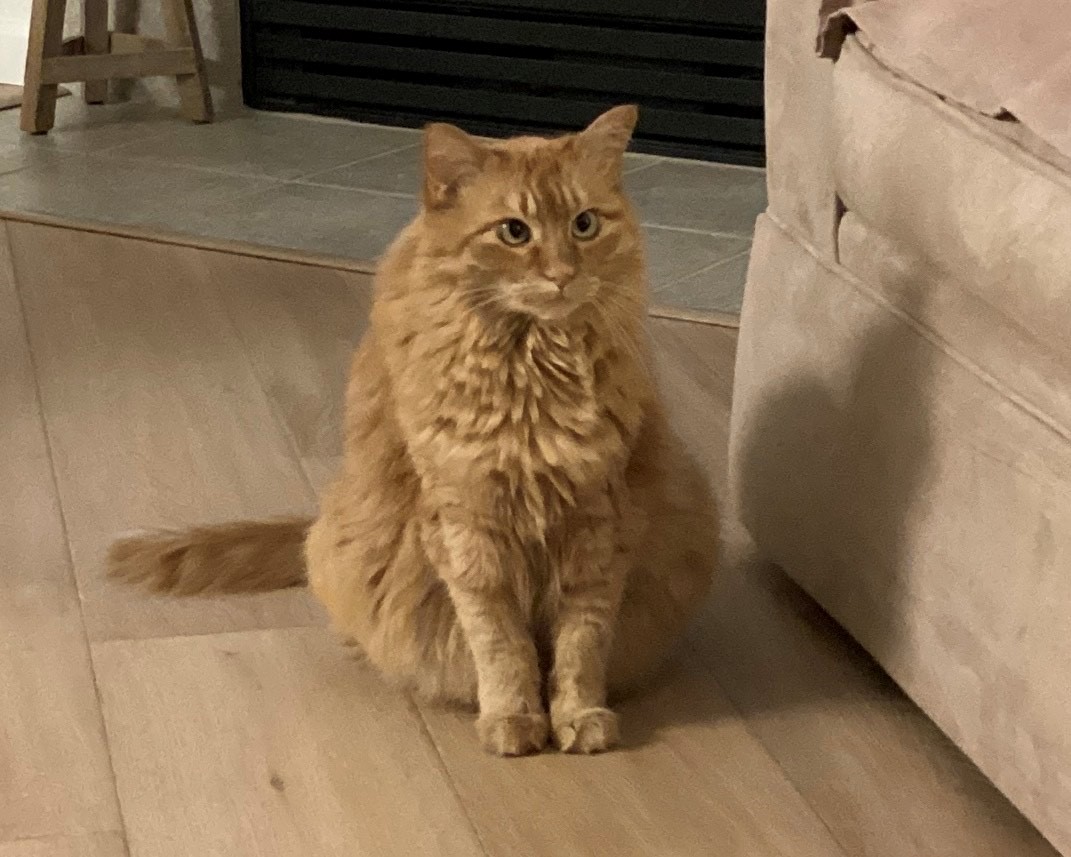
(607, 137)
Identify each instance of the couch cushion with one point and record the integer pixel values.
(996, 57)
(969, 200)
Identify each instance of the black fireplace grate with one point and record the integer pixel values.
(506, 66)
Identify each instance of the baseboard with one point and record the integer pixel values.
(10, 96)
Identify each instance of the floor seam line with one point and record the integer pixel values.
(426, 730)
(47, 437)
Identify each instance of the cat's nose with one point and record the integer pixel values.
(561, 273)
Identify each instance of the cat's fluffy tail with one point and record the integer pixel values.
(247, 556)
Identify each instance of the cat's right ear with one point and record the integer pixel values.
(451, 158)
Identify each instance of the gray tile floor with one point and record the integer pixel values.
(339, 188)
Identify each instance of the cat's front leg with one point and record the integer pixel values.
(592, 572)
(512, 721)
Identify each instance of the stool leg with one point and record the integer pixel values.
(193, 88)
(95, 31)
(46, 40)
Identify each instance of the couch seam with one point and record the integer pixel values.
(928, 333)
(932, 100)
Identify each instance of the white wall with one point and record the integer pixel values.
(14, 28)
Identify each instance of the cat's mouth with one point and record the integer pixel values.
(548, 302)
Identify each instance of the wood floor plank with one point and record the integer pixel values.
(705, 355)
(155, 418)
(271, 744)
(55, 777)
(300, 325)
(694, 364)
(91, 845)
(878, 772)
(690, 781)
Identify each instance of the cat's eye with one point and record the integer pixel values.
(514, 232)
(586, 225)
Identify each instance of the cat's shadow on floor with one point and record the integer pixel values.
(681, 697)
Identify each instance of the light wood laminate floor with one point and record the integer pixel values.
(148, 383)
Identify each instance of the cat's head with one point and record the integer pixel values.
(535, 226)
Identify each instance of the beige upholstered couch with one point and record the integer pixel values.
(901, 439)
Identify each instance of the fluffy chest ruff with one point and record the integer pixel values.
(520, 424)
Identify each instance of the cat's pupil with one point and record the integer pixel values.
(583, 221)
(514, 232)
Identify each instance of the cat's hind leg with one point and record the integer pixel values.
(666, 589)
(390, 603)
(674, 560)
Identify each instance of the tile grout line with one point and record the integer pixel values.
(688, 230)
(149, 136)
(114, 153)
(266, 183)
(389, 194)
(715, 165)
(304, 177)
(111, 154)
(73, 578)
(59, 153)
(317, 119)
(271, 183)
(731, 258)
(643, 166)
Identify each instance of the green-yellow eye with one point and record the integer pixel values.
(586, 225)
(514, 232)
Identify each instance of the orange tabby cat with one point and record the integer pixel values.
(513, 524)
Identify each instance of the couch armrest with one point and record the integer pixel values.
(799, 92)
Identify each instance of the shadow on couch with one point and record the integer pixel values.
(829, 475)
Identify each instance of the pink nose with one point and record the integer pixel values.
(559, 273)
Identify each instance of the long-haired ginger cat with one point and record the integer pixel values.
(514, 525)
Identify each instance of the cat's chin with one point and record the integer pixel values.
(563, 307)
(544, 302)
(554, 312)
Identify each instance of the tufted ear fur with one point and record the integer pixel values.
(451, 158)
(605, 140)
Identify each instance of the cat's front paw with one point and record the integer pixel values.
(513, 734)
(590, 730)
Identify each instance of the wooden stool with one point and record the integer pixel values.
(98, 56)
